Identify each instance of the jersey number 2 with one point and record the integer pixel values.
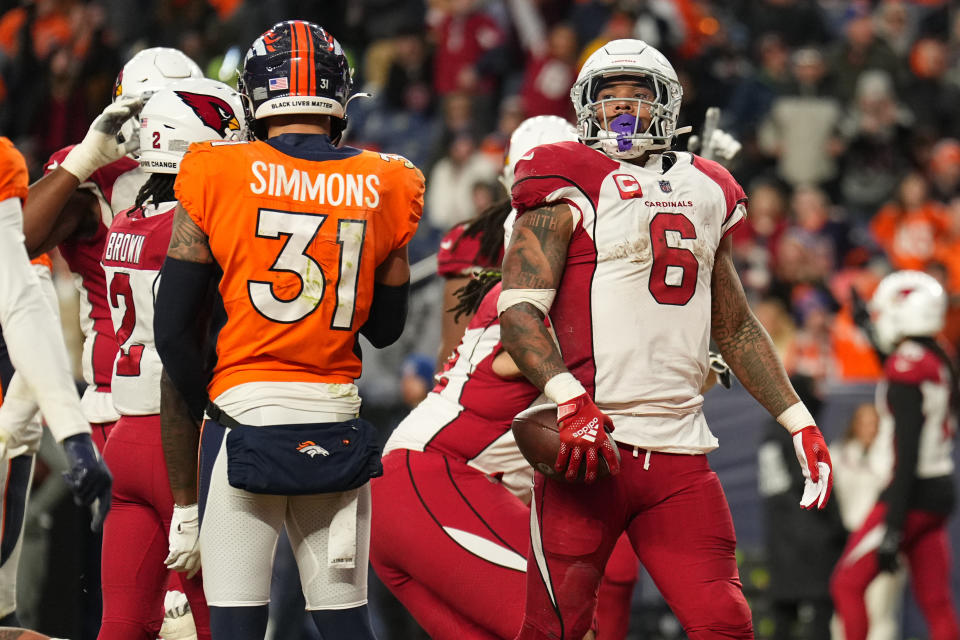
(128, 364)
(300, 230)
(673, 277)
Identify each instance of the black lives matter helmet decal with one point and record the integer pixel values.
(296, 67)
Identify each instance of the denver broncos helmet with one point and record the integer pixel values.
(296, 67)
(194, 110)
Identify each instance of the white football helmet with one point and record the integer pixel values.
(146, 72)
(192, 110)
(907, 304)
(530, 133)
(627, 60)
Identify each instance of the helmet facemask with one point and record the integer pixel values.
(623, 136)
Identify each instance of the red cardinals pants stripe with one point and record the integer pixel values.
(451, 545)
(678, 521)
(135, 537)
(926, 548)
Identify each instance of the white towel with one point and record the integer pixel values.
(342, 537)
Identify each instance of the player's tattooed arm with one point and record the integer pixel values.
(180, 437)
(535, 260)
(188, 242)
(742, 340)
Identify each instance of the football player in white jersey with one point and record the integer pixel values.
(456, 450)
(84, 186)
(133, 572)
(625, 245)
(916, 402)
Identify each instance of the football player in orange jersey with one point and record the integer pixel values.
(308, 242)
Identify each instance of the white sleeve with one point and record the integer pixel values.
(33, 336)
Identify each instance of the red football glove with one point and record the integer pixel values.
(817, 468)
(581, 433)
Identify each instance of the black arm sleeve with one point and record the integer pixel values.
(388, 314)
(906, 404)
(182, 297)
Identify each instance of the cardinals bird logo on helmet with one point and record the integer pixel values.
(194, 110)
(212, 111)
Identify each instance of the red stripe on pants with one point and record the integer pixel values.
(134, 577)
(679, 524)
(927, 549)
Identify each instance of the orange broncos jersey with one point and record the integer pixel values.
(14, 180)
(298, 242)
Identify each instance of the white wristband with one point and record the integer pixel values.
(542, 299)
(796, 417)
(563, 387)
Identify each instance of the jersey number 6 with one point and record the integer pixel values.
(673, 276)
(299, 230)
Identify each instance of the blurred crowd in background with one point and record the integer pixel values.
(848, 113)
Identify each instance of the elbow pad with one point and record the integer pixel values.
(388, 314)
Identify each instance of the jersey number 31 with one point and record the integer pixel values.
(300, 229)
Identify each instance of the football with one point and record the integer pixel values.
(15, 633)
(538, 438)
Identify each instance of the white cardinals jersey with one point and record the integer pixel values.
(913, 363)
(467, 415)
(115, 187)
(133, 254)
(632, 312)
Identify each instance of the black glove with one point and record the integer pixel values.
(88, 477)
(888, 550)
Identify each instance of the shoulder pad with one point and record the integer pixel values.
(549, 168)
(452, 258)
(913, 363)
(487, 311)
(56, 158)
(732, 191)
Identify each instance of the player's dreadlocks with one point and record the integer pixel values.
(158, 188)
(471, 294)
(489, 226)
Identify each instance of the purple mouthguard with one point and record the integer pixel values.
(624, 125)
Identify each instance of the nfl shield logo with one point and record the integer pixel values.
(665, 186)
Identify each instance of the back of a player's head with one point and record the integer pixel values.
(145, 73)
(531, 133)
(192, 110)
(296, 68)
(907, 304)
(153, 69)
